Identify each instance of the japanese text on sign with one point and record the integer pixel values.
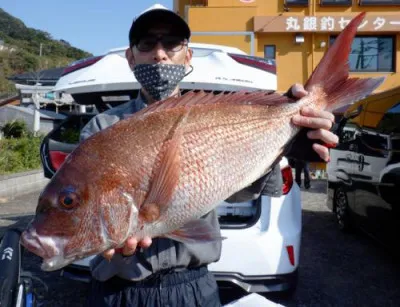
(328, 23)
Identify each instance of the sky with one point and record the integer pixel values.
(91, 25)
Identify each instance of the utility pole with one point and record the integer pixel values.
(36, 113)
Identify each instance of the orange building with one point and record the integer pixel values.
(297, 33)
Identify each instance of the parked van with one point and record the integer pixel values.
(364, 171)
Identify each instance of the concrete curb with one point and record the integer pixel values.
(21, 183)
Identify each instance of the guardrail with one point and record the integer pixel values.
(7, 100)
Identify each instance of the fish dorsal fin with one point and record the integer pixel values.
(196, 98)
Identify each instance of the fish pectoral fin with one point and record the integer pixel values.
(164, 182)
(197, 231)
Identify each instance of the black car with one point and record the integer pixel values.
(61, 141)
(364, 171)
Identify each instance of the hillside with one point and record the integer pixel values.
(21, 49)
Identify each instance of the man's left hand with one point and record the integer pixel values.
(129, 247)
(320, 121)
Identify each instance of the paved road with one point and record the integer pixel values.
(335, 269)
(339, 269)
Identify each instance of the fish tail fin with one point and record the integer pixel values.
(332, 73)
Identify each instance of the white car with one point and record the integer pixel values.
(261, 252)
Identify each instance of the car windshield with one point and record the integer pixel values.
(389, 123)
(203, 52)
(69, 131)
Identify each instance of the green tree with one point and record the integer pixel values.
(26, 43)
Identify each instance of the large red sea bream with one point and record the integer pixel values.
(157, 172)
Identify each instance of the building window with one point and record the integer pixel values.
(296, 2)
(379, 2)
(372, 54)
(269, 52)
(335, 2)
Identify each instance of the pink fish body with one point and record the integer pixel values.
(157, 172)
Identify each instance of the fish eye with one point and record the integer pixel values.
(68, 200)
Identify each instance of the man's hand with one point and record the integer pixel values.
(129, 247)
(320, 121)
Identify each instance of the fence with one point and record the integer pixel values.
(7, 98)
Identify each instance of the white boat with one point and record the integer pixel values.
(215, 68)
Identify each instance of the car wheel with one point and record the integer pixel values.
(342, 210)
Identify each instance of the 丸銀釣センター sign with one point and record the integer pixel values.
(380, 23)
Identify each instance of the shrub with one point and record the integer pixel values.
(19, 154)
(15, 129)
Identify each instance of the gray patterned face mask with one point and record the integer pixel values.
(159, 80)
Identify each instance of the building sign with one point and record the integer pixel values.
(376, 23)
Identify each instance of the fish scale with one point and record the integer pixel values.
(201, 187)
(210, 185)
(200, 183)
(234, 164)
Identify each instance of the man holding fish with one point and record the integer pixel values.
(142, 186)
(159, 36)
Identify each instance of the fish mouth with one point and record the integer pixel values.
(51, 249)
(48, 248)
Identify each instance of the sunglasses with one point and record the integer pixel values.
(169, 42)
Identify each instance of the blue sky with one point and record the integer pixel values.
(92, 25)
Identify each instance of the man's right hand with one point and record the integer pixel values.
(129, 247)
